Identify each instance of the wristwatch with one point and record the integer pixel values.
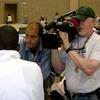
(69, 49)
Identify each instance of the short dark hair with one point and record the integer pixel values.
(8, 38)
(39, 26)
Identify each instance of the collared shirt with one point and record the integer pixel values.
(18, 78)
(78, 81)
(42, 58)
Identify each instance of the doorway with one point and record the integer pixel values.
(11, 9)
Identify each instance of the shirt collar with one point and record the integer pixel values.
(9, 54)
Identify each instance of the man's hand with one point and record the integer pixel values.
(65, 40)
(59, 87)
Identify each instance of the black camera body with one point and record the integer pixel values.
(52, 40)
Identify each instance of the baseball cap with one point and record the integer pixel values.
(84, 12)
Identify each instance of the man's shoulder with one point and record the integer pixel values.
(94, 38)
(45, 51)
(28, 64)
(95, 35)
(31, 69)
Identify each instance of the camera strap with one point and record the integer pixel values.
(83, 47)
(76, 68)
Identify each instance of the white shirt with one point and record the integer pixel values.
(43, 23)
(9, 19)
(80, 82)
(19, 79)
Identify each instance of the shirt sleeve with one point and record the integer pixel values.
(95, 54)
(63, 55)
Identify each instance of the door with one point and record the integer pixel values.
(11, 9)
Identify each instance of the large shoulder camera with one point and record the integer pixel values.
(51, 38)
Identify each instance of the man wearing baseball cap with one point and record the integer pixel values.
(81, 58)
(84, 12)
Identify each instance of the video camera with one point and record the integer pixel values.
(51, 38)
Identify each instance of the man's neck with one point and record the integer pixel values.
(88, 34)
(34, 50)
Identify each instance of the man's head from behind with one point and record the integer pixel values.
(33, 34)
(8, 38)
(86, 16)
